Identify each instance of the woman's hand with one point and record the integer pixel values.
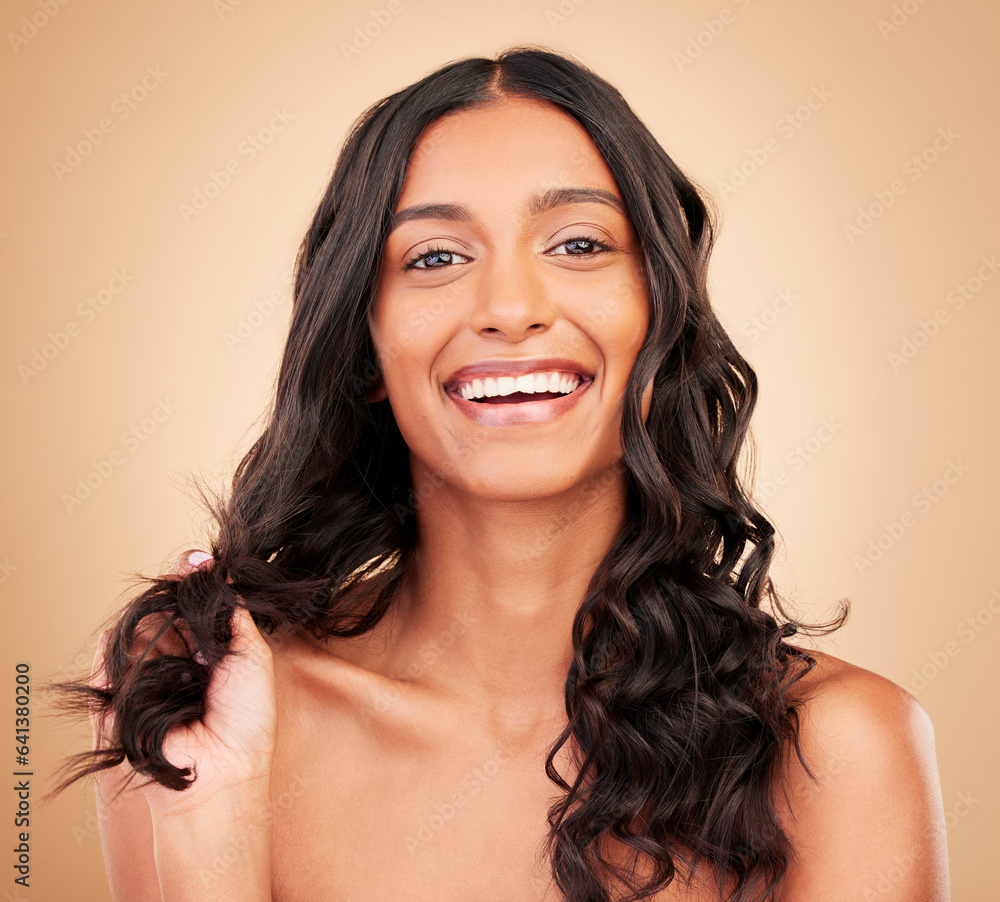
(212, 839)
(231, 748)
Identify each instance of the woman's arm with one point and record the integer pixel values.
(213, 839)
(217, 851)
(221, 852)
(126, 838)
(872, 826)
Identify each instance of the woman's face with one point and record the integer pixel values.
(511, 304)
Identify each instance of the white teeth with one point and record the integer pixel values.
(506, 385)
(529, 383)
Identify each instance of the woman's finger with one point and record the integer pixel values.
(98, 673)
(246, 636)
(189, 561)
(99, 723)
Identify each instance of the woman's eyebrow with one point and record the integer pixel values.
(540, 202)
(557, 197)
(453, 212)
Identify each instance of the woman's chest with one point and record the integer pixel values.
(465, 828)
(359, 821)
(378, 802)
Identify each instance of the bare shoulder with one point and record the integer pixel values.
(842, 704)
(869, 819)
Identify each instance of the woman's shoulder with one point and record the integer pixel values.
(856, 723)
(836, 696)
(333, 678)
(307, 666)
(873, 797)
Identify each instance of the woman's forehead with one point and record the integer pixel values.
(515, 141)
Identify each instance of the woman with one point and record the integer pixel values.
(483, 617)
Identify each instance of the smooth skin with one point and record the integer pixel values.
(408, 763)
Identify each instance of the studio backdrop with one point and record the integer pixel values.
(162, 161)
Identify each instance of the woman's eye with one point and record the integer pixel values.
(580, 247)
(435, 259)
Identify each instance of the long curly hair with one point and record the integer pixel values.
(678, 695)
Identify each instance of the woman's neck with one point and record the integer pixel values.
(488, 606)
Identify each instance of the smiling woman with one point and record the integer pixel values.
(527, 264)
(485, 616)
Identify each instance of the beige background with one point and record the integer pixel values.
(873, 436)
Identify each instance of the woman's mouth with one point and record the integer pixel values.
(541, 386)
(519, 398)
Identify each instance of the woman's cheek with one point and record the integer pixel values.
(598, 315)
(632, 316)
(647, 399)
(621, 296)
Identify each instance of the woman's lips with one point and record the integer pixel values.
(518, 391)
(490, 387)
(519, 398)
(518, 408)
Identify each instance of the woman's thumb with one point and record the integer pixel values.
(100, 720)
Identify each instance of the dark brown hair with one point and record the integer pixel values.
(678, 693)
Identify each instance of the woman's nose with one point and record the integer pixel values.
(511, 300)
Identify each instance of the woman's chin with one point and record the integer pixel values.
(509, 479)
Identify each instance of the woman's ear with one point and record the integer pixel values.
(376, 390)
(647, 398)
